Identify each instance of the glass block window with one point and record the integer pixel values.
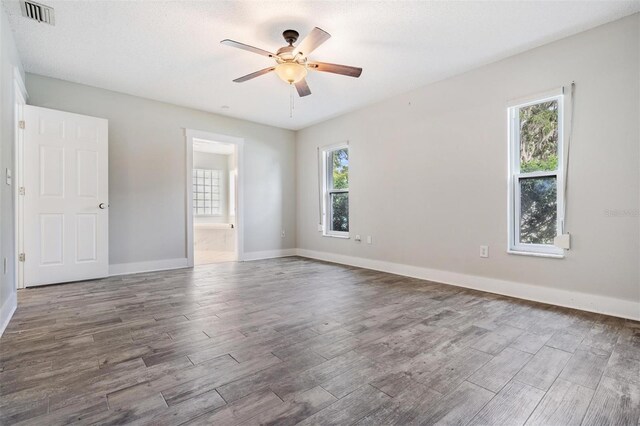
(206, 192)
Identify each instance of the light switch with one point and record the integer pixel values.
(9, 179)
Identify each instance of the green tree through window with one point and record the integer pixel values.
(338, 186)
(538, 152)
(536, 132)
(539, 137)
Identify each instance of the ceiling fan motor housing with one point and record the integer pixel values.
(290, 36)
(285, 54)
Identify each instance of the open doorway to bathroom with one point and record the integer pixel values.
(213, 198)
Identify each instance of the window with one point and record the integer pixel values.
(535, 133)
(336, 193)
(206, 192)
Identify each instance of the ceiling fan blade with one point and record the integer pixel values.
(336, 69)
(248, 48)
(253, 75)
(314, 39)
(303, 88)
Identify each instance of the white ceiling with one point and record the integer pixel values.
(170, 51)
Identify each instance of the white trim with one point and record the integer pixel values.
(148, 266)
(190, 135)
(337, 234)
(7, 310)
(326, 192)
(17, 77)
(18, 172)
(569, 299)
(268, 254)
(536, 254)
(334, 146)
(514, 246)
(180, 263)
(536, 98)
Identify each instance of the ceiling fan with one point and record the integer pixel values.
(292, 62)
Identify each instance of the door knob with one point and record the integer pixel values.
(102, 206)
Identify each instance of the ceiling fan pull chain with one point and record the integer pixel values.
(290, 100)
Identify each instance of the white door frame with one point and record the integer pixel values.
(190, 135)
(20, 97)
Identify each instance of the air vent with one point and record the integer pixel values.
(38, 12)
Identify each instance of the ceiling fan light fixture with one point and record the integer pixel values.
(291, 72)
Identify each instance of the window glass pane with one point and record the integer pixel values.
(340, 168)
(539, 137)
(538, 214)
(340, 212)
(206, 185)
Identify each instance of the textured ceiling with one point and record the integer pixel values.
(170, 51)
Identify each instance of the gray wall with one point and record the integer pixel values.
(428, 169)
(8, 61)
(147, 170)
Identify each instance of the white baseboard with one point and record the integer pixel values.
(582, 301)
(166, 264)
(6, 312)
(268, 254)
(149, 266)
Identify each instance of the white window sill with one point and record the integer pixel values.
(344, 237)
(536, 254)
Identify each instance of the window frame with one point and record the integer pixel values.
(327, 191)
(515, 176)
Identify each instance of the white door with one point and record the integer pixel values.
(66, 220)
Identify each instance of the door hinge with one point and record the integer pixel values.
(21, 190)
(22, 257)
(21, 124)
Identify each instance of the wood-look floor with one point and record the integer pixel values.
(298, 341)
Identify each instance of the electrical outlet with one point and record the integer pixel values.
(319, 228)
(282, 234)
(484, 251)
(368, 239)
(357, 238)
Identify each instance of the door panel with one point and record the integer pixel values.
(87, 174)
(51, 171)
(87, 237)
(51, 239)
(65, 179)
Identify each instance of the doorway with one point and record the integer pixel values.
(213, 198)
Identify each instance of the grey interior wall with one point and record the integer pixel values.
(9, 60)
(147, 170)
(210, 161)
(428, 169)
